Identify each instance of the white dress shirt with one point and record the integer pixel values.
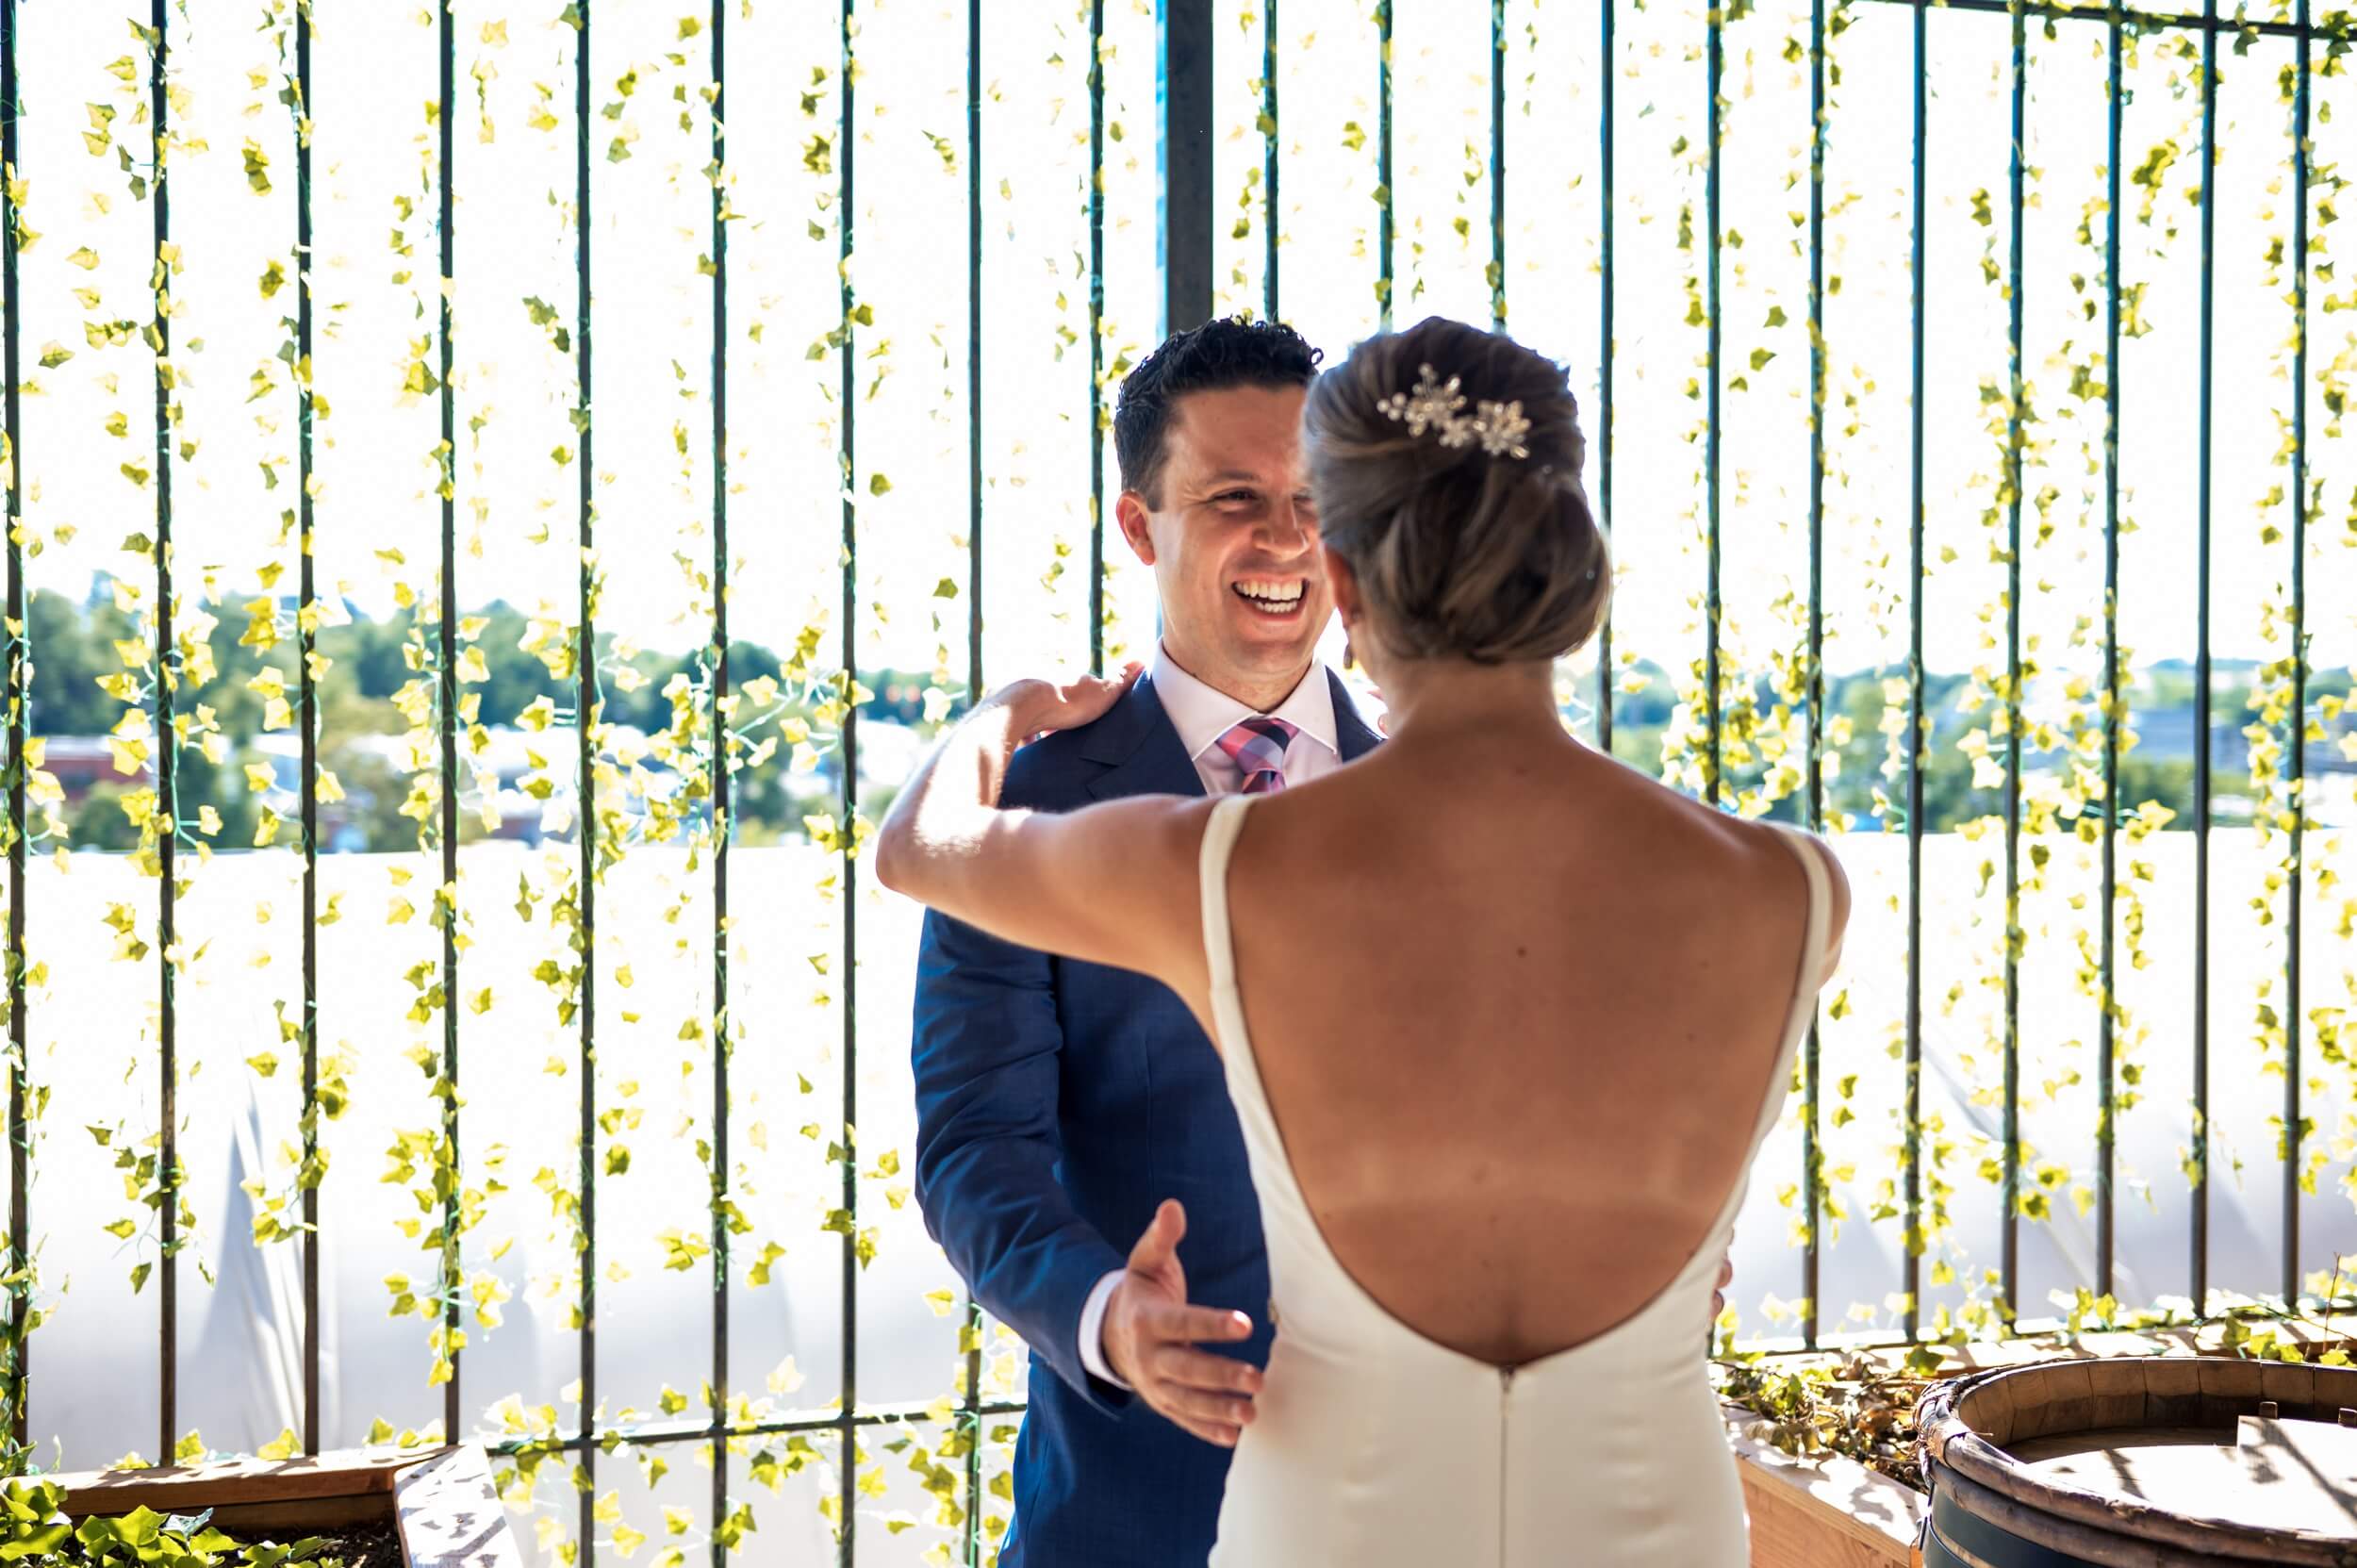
(1201, 714)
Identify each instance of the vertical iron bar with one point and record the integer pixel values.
(1185, 38)
(1603, 427)
(2298, 759)
(1714, 51)
(19, 723)
(2199, 1239)
(585, 788)
(168, 787)
(723, 827)
(1385, 242)
(1268, 141)
(2010, 1236)
(1913, 1251)
(1096, 318)
(1812, 1151)
(2105, 1044)
(307, 647)
(847, 1476)
(452, 1274)
(1497, 165)
(971, 1414)
(974, 351)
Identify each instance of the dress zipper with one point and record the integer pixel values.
(1505, 1457)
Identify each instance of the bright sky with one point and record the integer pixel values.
(652, 330)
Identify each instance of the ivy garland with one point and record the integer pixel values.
(2049, 434)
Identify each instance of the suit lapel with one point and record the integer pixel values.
(1140, 753)
(1350, 731)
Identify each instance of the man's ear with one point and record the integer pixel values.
(1130, 513)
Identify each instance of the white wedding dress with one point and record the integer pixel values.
(1376, 1447)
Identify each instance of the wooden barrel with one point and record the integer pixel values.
(2146, 1462)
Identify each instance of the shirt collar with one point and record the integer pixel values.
(1202, 714)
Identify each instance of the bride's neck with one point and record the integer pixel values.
(1436, 700)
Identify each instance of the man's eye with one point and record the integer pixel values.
(1231, 498)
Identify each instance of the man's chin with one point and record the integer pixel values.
(1274, 651)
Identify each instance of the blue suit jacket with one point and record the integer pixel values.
(1056, 1104)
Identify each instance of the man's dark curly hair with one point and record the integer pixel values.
(1207, 359)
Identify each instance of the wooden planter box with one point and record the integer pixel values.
(1826, 1513)
(439, 1500)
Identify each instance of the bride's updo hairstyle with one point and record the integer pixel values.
(1445, 462)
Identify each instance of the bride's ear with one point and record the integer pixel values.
(1343, 584)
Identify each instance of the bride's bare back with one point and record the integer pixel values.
(1516, 1040)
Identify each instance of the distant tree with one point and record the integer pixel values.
(72, 648)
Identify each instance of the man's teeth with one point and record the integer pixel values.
(1272, 597)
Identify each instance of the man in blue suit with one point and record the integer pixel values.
(1060, 1103)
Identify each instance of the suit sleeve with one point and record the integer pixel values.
(986, 1046)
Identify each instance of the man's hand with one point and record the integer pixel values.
(1718, 1296)
(1151, 1334)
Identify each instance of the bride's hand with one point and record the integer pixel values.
(1042, 707)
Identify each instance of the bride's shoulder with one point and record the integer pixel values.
(1817, 846)
(1757, 850)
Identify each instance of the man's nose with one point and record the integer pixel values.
(1288, 526)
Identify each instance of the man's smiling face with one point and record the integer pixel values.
(1232, 537)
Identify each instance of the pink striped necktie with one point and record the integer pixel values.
(1256, 746)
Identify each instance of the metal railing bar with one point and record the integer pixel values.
(846, 190)
(1097, 315)
(585, 762)
(1386, 240)
(453, 1274)
(2107, 897)
(1268, 142)
(1911, 1252)
(1497, 164)
(2010, 1183)
(1812, 1152)
(1714, 50)
(167, 748)
(833, 1420)
(2028, 1328)
(2143, 21)
(1184, 45)
(974, 351)
(2296, 759)
(2198, 1239)
(19, 721)
(307, 647)
(805, 1422)
(815, 1421)
(723, 828)
(971, 1401)
(1602, 429)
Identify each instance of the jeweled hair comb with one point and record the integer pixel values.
(1435, 405)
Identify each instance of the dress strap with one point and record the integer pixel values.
(1805, 983)
(1219, 844)
(1800, 1010)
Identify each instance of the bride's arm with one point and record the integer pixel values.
(1114, 884)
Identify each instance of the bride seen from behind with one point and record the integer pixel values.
(1504, 1019)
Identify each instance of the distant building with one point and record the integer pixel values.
(79, 763)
